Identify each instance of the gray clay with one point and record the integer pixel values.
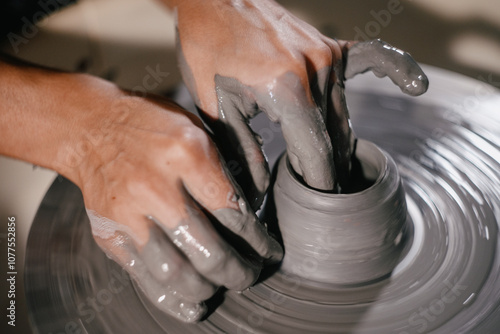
(385, 60)
(159, 268)
(245, 223)
(342, 238)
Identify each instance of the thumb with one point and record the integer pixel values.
(237, 142)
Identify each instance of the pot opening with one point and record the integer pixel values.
(367, 166)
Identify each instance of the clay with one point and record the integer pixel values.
(304, 129)
(320, 154)
(160, 270)
(244, 223)
(178, 268)
(347, 238)
(211, 256)
(241, 143)
(385, 60)
(106, 228)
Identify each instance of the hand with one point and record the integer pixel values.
(241, 58)
(154, 187)
(160, 201)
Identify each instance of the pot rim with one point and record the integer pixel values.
(381, 162)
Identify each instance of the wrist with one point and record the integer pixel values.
(46, 116)
(88, 112)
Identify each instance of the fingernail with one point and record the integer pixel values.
(192, 312)
(242, 291)
(275, 250)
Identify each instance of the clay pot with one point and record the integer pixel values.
(342, 238)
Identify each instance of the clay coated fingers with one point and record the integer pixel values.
(215, 191)
(385, 60)
(171, 269)
(303, 125)
(209, 254)
(341, 133)
(244, 223)
(236, 107)
(164, 296)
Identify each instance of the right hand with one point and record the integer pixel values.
(239, 58)
(150, 184)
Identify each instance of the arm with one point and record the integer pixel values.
(148, 173)
(35, 126)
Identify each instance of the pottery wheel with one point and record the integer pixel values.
(447, 147)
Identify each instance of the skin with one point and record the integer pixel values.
(260, 58)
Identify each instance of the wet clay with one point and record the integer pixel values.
(385, 60)
(178, 268)
(342, 238)
(245, 223)
(161, 272)
(303, 127)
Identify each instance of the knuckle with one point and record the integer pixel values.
(192, 135)
(230, 272)
(324, 55)
(216, 264)
(138, 185)
(264, 248)
(238, 225)
(169, 271)
(190, 143)
(202, 290)
(335, 50)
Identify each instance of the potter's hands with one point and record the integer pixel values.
(242, 57)
(158, 197)
(150, 185)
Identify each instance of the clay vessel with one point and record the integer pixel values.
(342, 238)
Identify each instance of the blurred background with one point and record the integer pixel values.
(122, 40)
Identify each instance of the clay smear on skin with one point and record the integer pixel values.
(146, 266)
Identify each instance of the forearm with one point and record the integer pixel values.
(43, 113)
(196, 7)
(175, 3)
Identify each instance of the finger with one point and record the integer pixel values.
(303, 125)
(236, 140)
(237, 215)
(385, 60)
(160, 257)
(341, 134)
(215, 191)
(209, 254)
(121, 249)
(244, 223)
(171, 269)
